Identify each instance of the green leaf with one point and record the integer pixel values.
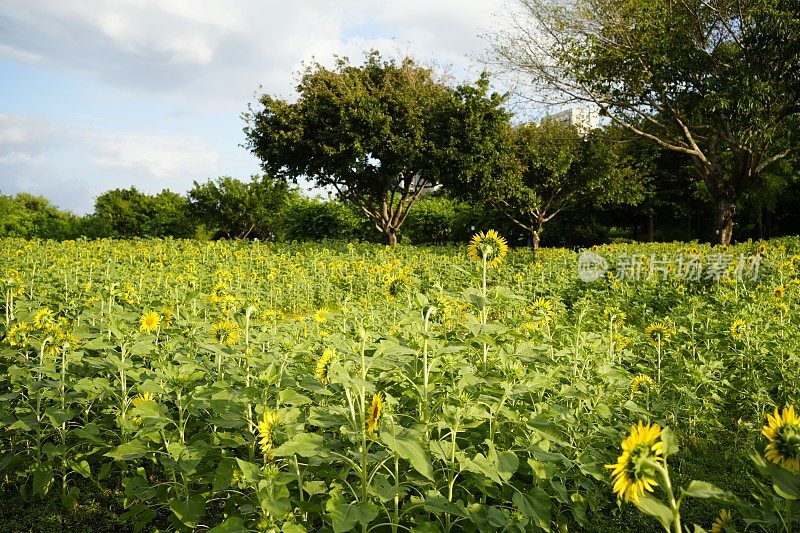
(409, 446)
(303, 444)
(481, 465)
(42, 477)
(251, 472)
(189, 511)
(670, 442)
(649, 505)
(534, 505)
(81, 468)
(232, 524)
(344, 516)
(128, 451)
(702, 489)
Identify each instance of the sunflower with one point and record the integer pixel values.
(149, 322)
(375, 412)
(141, 398)
(641, 379)
(43, 318)
(265, 427)
(18, 334)
(722, 521)
(321, 316)
(620, 341)
(323, 364)
(489, 246)
(616, 314)
(225, 332)
(658, 333)
(783, 432)
(395, 286)
(542, 309)
(778, 291)
(738, 328)
(633, 474)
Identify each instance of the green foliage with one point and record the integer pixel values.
(237, 210)
(379, 133)
(32, 217)
(308, 219)
(715, 80)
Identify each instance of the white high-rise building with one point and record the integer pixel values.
(584, 118)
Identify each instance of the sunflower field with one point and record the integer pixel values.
(169, 385)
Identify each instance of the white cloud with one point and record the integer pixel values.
(71, 162)
(187, 51)
(161, 157)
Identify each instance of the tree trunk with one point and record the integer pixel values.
(724, 210)
(391, 236)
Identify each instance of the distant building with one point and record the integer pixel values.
(585, 119)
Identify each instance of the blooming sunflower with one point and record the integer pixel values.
(149, 322)
(18, 334)
(265, 427)
(43, 318)
(395, 286)
(783, 432)
(658, 332)
(778, 291)
(722, 521)
(542, 309)
(616, 314)
(141, 398)
(323, 364)
(632, 474)
(738, 328)
(375, 412)
(225, 332)
(641, 379)
(489, 246)
(321, 316)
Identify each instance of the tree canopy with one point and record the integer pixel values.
(379, 134)
(717, 80)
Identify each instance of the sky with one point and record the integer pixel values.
(103, 94)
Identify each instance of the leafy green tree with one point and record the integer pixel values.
(379, 134)
(34, 217)
(168, 216)
(239, 210)
(126, 211)
(717, 80)
(556, 168)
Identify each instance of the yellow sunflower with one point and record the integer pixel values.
(395, 286)
(43, 318)
(658, 332)
(633, 474)
(783, 432)
(323, 364)
(738, 328)
(641, 380)
(265, 427)
(375, 413)
(616, 314)
(149, 322)
(778, 291)
(489, 246)
(225, 332)
(722, 521)
(141, 398)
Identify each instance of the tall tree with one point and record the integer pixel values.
(237, 210)
(557, 168)
(718, 80)
(377, 133)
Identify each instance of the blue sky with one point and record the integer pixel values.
(103, 94)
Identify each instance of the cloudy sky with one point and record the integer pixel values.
(102, 94)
